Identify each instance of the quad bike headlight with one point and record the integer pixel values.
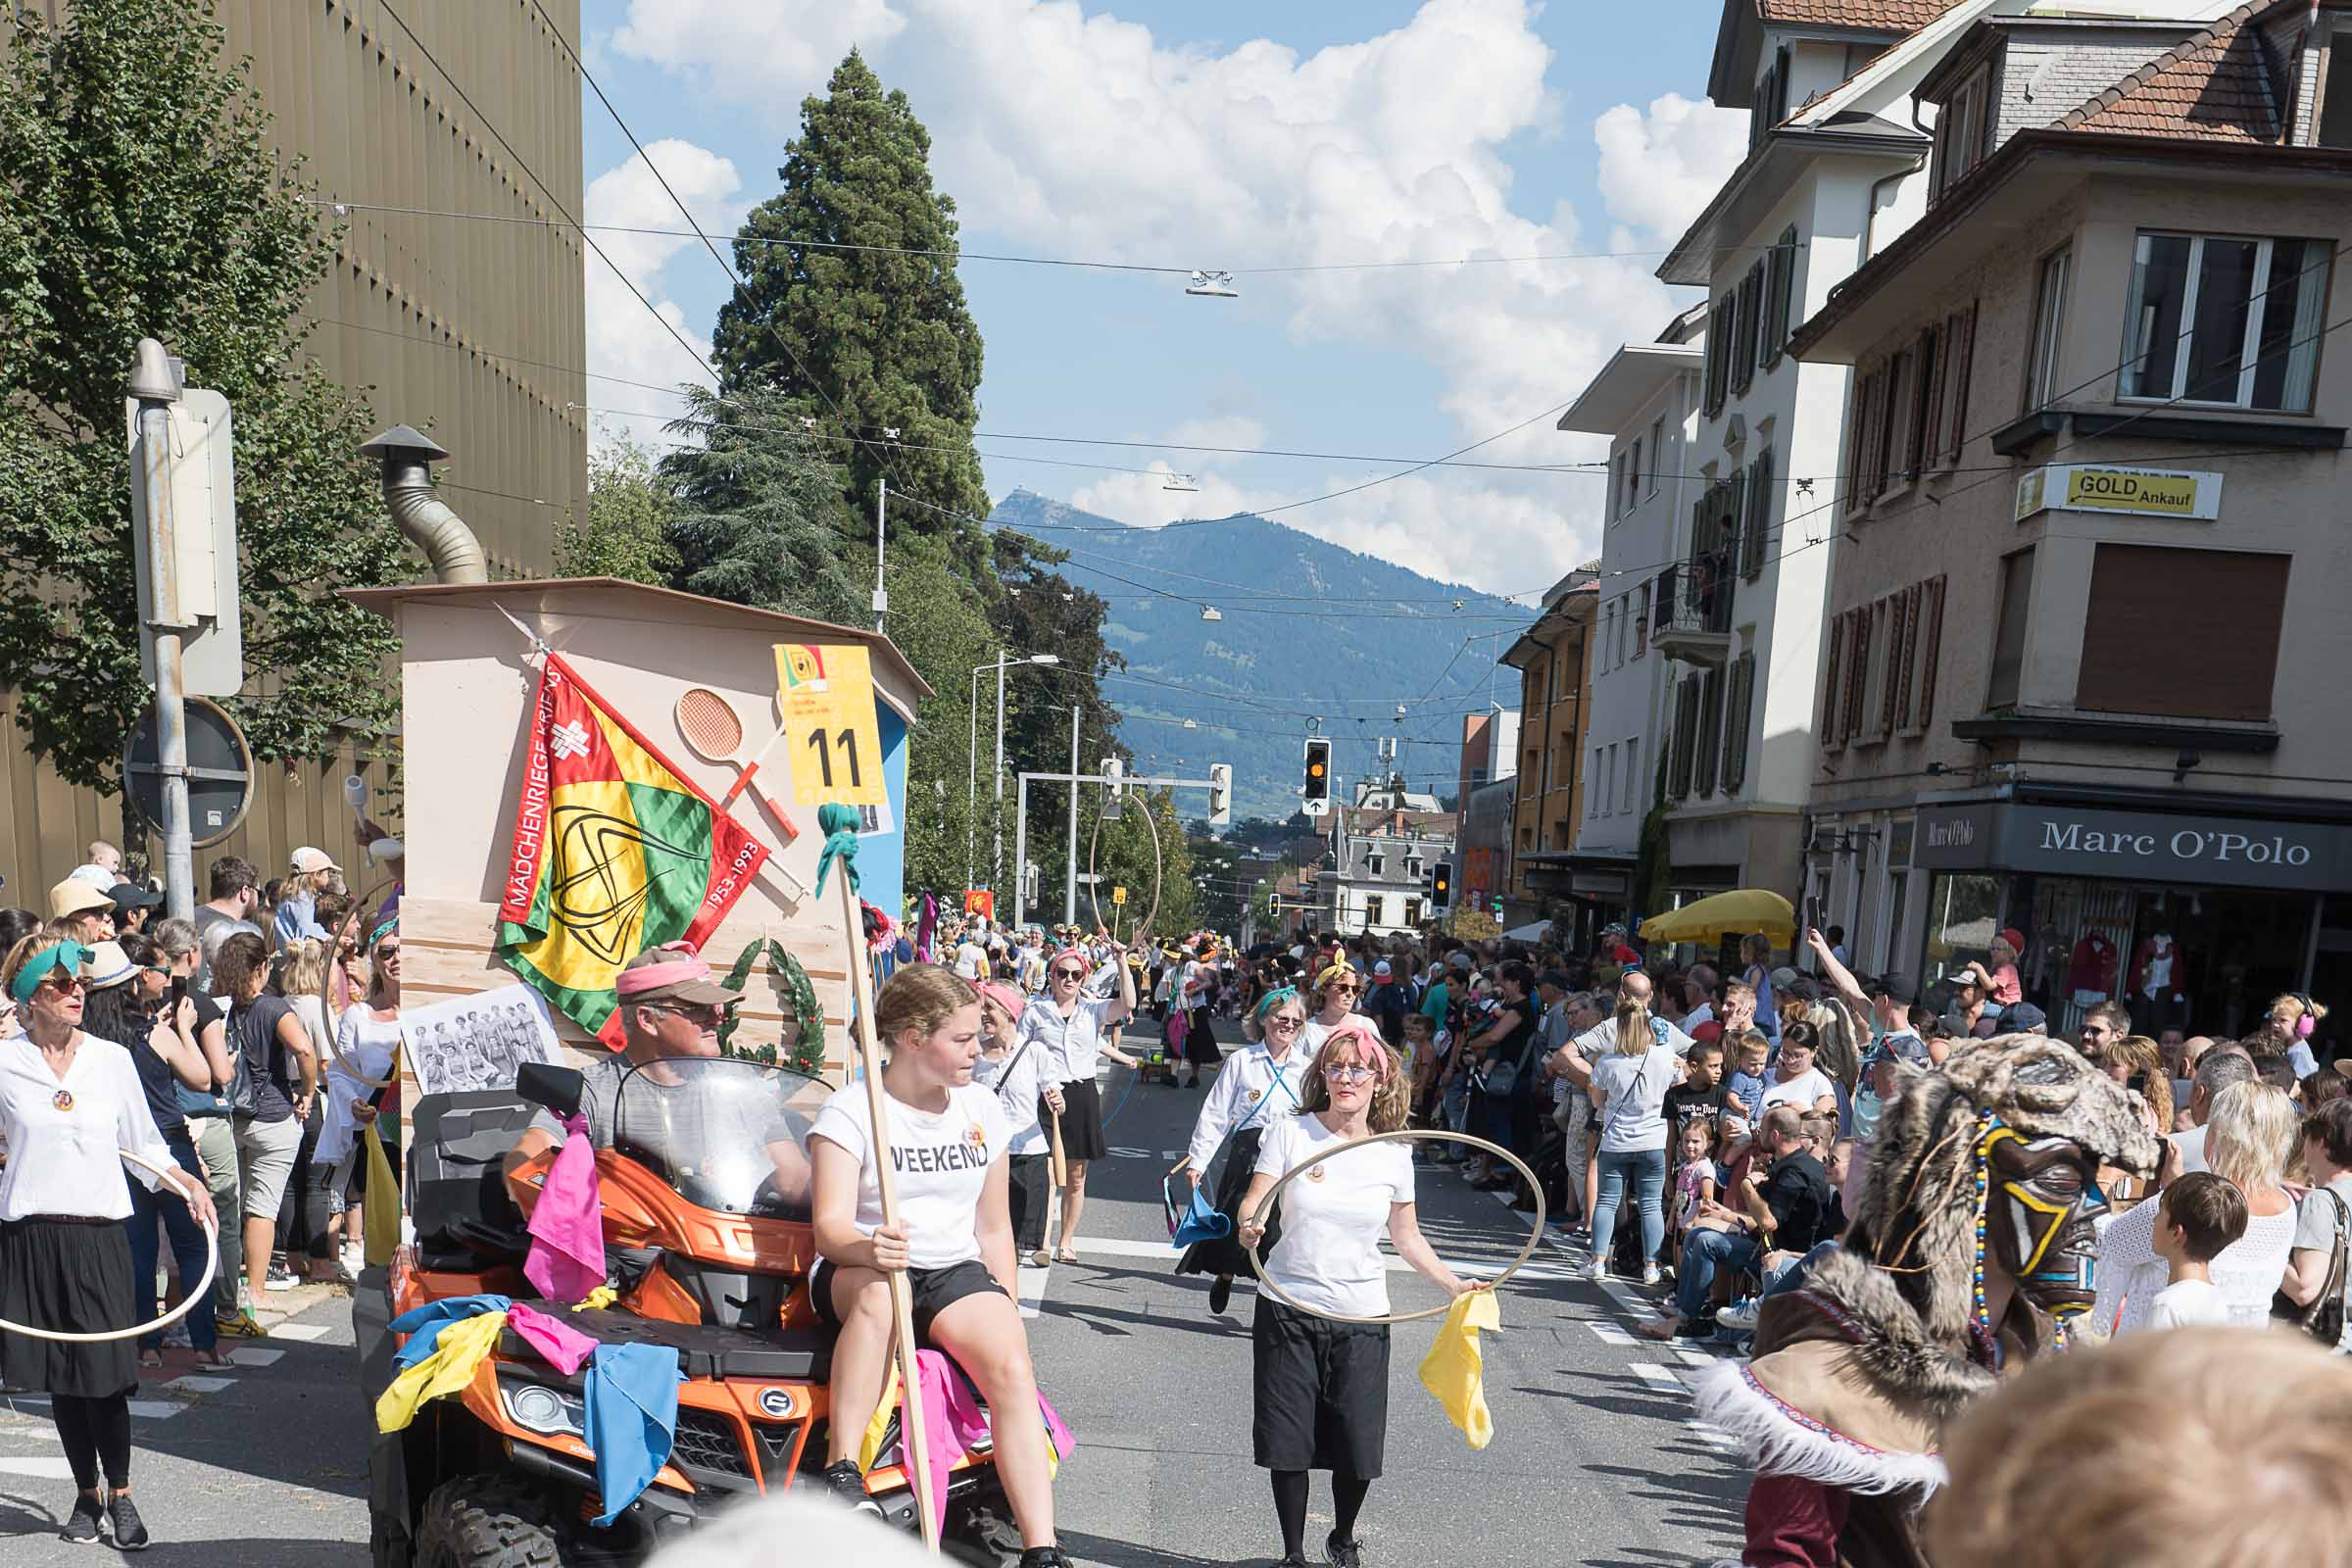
(545, 1410)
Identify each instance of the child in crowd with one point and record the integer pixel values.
(1998, 974)
(1701, 1094)
(2202, 1213)
(1422, 1052)
(1698, 1181)
(1748, 1083)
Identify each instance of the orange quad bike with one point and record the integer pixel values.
(706, 1225)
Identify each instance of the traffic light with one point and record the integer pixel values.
(1115, 771)
(1220, 794)
(1498, 905)
(1318, 769)
(1441, 885)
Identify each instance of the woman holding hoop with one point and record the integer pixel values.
(68, 1101)
(948, 1138)
(1258, 1085)
(1321, 1380)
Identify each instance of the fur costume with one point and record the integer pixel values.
(1981, 1164)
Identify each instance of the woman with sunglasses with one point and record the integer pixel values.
(1337, 987)
(1258, 1083)
(68, 1101)
(1322, 1386)
(1070, 1027)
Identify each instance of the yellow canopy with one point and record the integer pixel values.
(1726, 915)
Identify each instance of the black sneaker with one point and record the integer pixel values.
(1045, 1557)
(847, 1483)
(81, 1528)
(130, 1533)
(1293, 1560)
(1220, 1295)
(1342, 1554)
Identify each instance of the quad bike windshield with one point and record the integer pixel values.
(726, 1132)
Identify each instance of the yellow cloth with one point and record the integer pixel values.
(1455, 1370)
(602, 1295)
(869, 1448)
(381, 1224)
(461, 1347)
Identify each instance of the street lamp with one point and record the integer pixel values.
(972, 782)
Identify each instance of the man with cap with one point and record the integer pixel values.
(2023, 1018)
(88, 906)
(1387, 1004)
(134, 905)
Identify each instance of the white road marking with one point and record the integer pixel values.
(195, 1384)
(1697, 1358)
(43, 1469)
(1652, 1372)
(145, 1410)
(256, 1355)
(1611, 1334)
(301, 1333)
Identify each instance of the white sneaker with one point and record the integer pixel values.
(1598, 1272)
(1649, 1274)
(1740, 1315)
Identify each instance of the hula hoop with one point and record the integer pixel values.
(1094, 843)
(1535, 1233)
(201, 1291)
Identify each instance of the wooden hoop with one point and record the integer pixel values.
(1535, 1233)
(1093, 889)
(201, 1291)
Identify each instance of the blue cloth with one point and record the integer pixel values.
(298, 918)
(424, 1324)
(632, 1400)
(1644, 1171)
(1199, 1222)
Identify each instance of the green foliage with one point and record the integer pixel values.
(939, 621)
(1122, 857)
(626, 532)
(880, 335)
(759, 517)
(143, 200)
(797, 991)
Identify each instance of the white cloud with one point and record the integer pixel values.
(747, 52)
(624, 340)
(1080, 134)
(1660, 167)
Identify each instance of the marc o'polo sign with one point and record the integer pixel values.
(2137, 492)
(2135, 845)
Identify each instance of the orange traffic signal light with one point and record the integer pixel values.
(1318, 769)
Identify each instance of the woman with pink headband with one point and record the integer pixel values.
(1011, 1065)
(1071, 1028)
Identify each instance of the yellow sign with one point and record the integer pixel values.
(825, 691)
(2140, 492)
(1119, 895)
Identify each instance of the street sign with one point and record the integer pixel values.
(220, 772)
(198, 595)
(1119, 895)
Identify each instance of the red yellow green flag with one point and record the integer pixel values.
(614, 853)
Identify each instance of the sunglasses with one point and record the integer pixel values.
(1069, 975)
(1282, 1022)
(701, 1012)
(1350, 1074)
(61, 983)
(1344, 985)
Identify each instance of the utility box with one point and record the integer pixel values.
(199, 597)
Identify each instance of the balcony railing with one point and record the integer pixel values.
(1692, 616)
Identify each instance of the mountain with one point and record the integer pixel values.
(1305, 628)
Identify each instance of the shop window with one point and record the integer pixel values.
(2240, 597)
(1964, 913)
(2009, 632)
(2225, 321)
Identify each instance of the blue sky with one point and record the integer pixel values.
(1219, 134)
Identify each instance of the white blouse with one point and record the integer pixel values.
(1250, 1088)
(62, 1134)
(2130, 1273)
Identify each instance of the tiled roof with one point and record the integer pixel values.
(2215, 85)
(1884, 15)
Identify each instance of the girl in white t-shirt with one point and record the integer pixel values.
(1322, 1385)
(948, 1142)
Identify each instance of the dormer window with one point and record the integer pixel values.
(1772, 99)
(1962, 130)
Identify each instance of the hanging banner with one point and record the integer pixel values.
(825, 691)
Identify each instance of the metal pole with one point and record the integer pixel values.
(971, 788)
(1020, 852)
(881, 594)
(995, 863)
(156, 388)
(1069, 890)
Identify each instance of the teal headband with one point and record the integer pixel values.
(1272, 999)
(69, 956)
(383, 931)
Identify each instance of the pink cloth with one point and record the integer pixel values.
(567, 1225)
(564, 1347)
(687, 965)
(953, 1422)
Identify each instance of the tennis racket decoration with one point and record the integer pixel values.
(1527, 1249)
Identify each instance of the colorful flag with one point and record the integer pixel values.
(614, 853)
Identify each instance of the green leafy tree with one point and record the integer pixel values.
(939, 621)
(758, 515)
(858, 318)
(141, 198)
(626, 531)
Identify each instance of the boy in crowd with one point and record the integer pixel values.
(1748, 1083)
(2202, 1213)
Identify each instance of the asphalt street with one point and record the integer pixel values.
(1594, 1462)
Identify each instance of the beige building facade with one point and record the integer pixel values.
(2081, 676)
(1555, 695)
(472, 331)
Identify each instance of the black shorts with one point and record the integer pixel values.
(1322, 1391)
(1080, 1121)
(935, 1291)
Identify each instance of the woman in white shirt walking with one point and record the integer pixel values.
(1009, 1068)
(1258, 1085)
(1628, 1085)
(68, 1101)
(1322, 1386)
(1071, 1027)
(954, 1242)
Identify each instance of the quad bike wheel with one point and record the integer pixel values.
(488, 1522)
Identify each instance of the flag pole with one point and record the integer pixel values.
(839, 823)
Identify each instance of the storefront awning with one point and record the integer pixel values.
(2135, 846)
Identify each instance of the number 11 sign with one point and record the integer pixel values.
(825, 693)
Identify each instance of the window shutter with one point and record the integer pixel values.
(1736, 723)
(1761, 493)
(1857, 671)
(1959, 344)
(1750, 295)
(1933, 644)
(1685, 725)
(1831, 674)
(1710, 731)
(1912, 601)
(1934, 344)
(1719, 353)
(1898, 607)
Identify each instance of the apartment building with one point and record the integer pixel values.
(1555, 685)
(2081, 677)
(472, 331)
(1646, 400)
(1384, 846)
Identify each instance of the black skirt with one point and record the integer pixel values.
(1226, 1256)
(1080, 1121)
(72, 1276)
(1200, 1041)
(1322, 1391)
